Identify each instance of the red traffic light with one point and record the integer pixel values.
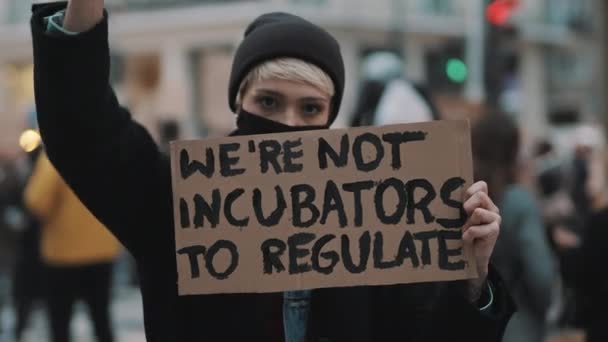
(499, 11)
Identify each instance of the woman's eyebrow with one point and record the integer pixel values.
(269, 92)
(312, 99)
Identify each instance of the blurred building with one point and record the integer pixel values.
(172, 57)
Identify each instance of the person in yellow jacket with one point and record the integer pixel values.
(77, 249)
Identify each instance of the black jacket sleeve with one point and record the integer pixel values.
(422, 312)
(585, 265)
(109, 160)
(455, 318)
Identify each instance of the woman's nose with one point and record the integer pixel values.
(292, 118)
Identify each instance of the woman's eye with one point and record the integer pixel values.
(311, 109)
(267, 102)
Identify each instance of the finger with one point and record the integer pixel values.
(481, 216)
(477, 186)
(480, 232)
(480, 200)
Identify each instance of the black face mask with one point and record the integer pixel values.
(249, 124)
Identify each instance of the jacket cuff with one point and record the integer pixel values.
(47, 27)
(487, 297)
(54, 25)
(454, 309)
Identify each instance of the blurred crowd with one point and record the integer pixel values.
(552, 198)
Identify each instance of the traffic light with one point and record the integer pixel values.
(446, 69)
(498, 12)
(456, 70)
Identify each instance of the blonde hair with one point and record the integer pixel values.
(288, 69)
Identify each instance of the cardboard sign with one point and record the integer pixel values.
(331, 208)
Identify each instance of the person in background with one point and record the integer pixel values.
(77, 250)
(587, 270)
(584, 287)
(11, 221)
(378, 69)
(405, 102)
(387, 97)
(27, 267)
(578, 195)
(522, 255)
(579, 179)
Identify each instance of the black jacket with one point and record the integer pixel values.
(585, 269)
(117, 170)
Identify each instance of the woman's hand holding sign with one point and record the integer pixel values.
(480, 231)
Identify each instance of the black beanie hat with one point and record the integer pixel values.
(276, 35)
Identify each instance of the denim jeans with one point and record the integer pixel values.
(296, 306)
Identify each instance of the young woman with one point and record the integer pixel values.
(287, 75)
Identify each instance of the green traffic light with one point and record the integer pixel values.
(456, 70)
